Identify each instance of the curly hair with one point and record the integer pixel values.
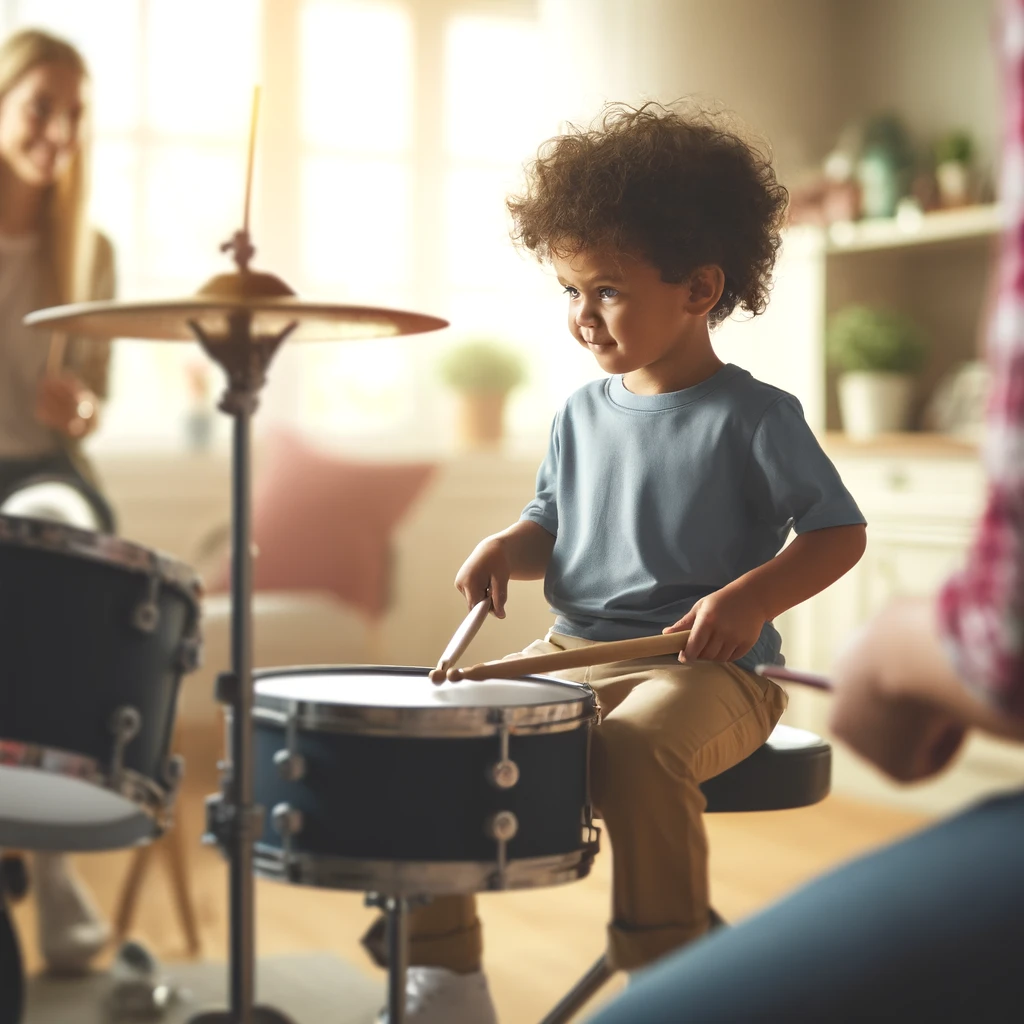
(676, 186)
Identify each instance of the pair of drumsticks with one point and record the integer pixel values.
(594, 654)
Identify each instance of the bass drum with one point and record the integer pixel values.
(96, 634)
(375, 779)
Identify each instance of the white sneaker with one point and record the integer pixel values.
(71, 932)
(434, 995)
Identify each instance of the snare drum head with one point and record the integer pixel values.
(40, 810)
(408, 688)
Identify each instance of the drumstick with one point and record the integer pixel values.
(795, 675)
(461, 640)
(579, 657)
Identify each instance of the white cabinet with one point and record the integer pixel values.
(922, 498)
(935, 269)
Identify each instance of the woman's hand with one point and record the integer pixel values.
(66, 405)
(903, 733)
(487, 570)
(723, 626)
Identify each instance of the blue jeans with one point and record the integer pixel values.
(928, 929)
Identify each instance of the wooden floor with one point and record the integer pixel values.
(537, 942)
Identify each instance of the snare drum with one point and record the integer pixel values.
(95, 635)
(377, 780)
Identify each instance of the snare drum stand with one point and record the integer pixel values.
(232, 818)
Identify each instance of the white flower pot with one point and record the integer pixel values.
(954, 181)
(873, 403)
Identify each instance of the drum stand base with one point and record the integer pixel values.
(260, 1015)
(396, 915)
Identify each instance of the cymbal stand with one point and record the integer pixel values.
(232, 818)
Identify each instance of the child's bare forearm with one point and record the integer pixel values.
(814, 561)
(528, 548)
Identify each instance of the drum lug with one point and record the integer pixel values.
(190, 653)
(124, 725)
(504, 773)
(174, 774)
(290, 764)
(588, 806)
(291, 767)
(225, 689)
(224, 821)
(147, 612)
(502, 827)
(218, 817)
(287, 822)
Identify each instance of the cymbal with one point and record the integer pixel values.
(268, 303)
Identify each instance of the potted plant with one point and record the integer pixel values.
(482, 372)
(877, 352)
(954, 153)
(885, 167)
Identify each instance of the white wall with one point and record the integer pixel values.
(769, 62)
(795, 70)
(932, 60)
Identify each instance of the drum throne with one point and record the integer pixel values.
(793, 769)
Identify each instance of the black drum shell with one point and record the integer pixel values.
(72, 656)
(411, 798)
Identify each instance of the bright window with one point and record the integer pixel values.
(390, 133)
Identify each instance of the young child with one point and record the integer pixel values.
(663, 503)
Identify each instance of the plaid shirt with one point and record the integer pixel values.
(981, 609)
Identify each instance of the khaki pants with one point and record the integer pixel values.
(665, 728)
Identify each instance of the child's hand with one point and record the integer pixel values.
(723, 626)
(486, 571)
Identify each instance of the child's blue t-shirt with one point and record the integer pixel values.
(657, 500)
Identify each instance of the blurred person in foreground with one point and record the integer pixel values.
(50, 390)
(932, 927)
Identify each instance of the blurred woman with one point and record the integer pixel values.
(50, 389)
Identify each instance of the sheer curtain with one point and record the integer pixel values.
(390, 134)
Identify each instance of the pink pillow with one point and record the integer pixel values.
(325, 523)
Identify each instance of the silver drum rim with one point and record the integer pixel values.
(421, 878)
(440, 722)
(62, 539)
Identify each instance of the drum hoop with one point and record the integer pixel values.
(153, 800)
(421, 878)
(423, 723)
(62, 539)
(431, 722)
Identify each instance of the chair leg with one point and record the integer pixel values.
(580, 993)
(172, 849)
(173, 844)
(124, 914)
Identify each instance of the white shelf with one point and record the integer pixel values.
(921, 229)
